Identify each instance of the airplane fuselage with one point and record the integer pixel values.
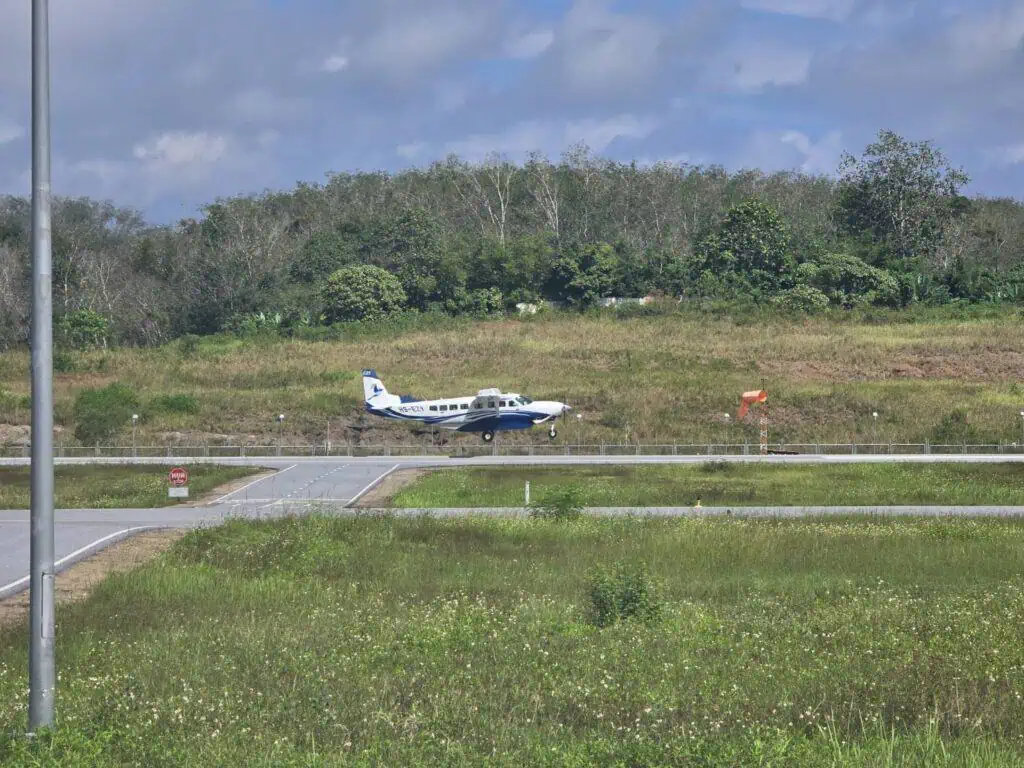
(489, 411)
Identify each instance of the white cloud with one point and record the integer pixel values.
(981, 40)
(259, 105)
(551, 137)
(819, 157)
(10, 131)
(411, 150)
(530, 45)
(598, 134)
(792, 149)
(834, 10)
(408, 44)
(757, 66)
(605, 50)
(335, 63)
(181, 155)
(1010, 154)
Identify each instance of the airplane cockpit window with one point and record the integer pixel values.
(524, 400)
(490, 404)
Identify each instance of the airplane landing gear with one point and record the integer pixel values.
(487, 436)
(552, 433)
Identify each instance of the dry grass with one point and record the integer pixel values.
(657, 379)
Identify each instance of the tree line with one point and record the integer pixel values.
(891, 227)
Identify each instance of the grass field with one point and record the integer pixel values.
(650, 379)
(364, 641)
(106, 486)
(723, 483)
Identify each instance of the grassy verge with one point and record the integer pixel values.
(724, 483)
(105, 486)
(651, 379)
(361, 641)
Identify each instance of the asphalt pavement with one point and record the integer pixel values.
(300, 483)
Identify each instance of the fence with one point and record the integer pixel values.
(498, 449)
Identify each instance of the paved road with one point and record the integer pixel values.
(301, 482)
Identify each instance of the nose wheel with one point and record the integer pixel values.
(488, 436)
(552, 433)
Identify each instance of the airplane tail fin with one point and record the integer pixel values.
(373, 387)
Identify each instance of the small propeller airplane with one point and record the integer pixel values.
(489, 411)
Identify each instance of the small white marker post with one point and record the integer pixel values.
(527, 493)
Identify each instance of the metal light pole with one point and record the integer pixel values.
(42, 676)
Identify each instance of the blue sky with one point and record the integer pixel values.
(164, 106)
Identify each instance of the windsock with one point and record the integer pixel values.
(748, 399)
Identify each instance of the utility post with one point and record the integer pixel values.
(42, 676)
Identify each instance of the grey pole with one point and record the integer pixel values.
(41, 610)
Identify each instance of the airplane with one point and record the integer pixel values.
(489, 411)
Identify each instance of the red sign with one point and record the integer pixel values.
(178, 476)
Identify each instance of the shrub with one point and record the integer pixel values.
(565, 503)
(82, 328)
(188, 344)
(362, 292)
(622, 593)
(100, 413)
(801, 298)
(955, 429)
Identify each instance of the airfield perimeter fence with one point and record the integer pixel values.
(386, 450)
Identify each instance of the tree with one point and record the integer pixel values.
(324, 252)
(847, 281)
(751, 245)
(362, 292)
(83, 328)
(903, 196)
(587, 273)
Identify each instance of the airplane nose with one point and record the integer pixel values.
(566, 408)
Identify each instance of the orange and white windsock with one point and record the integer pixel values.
(748, 399)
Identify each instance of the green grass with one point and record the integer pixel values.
(658, 379)
(359, 641)
(105, 486)
(724, 483)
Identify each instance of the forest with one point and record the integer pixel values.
(890, 228)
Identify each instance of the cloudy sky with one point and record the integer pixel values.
(165, 105)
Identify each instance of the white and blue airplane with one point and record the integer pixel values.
(489, 411)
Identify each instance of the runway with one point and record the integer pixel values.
(336, 482)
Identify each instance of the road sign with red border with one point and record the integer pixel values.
(178, 476)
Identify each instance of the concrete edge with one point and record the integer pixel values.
(19, 586)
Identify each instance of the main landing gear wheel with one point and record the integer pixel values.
(553, 433)
(488, 436)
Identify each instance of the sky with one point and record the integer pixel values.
(164, 106)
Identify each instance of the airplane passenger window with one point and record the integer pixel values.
(490, 403)
(433, 407)
(465, 406)
(503, 404)
(444, 407)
